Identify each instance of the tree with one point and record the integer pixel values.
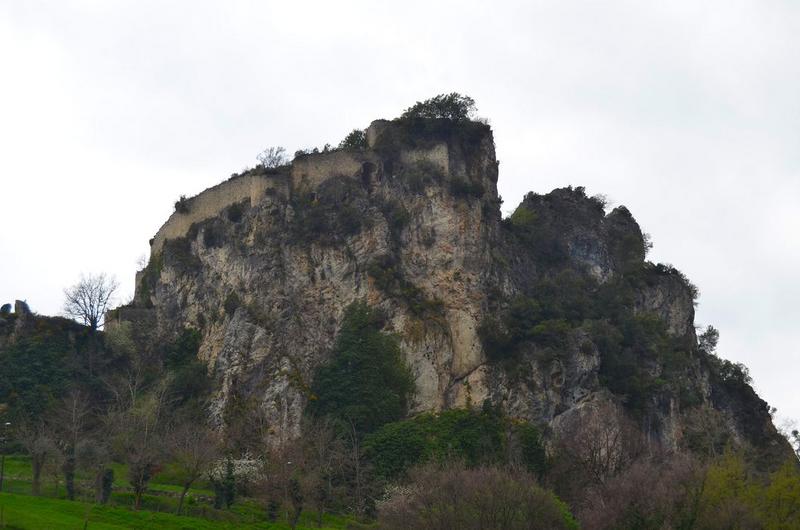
(136, 422)
(284, 470)
(355, 139)
(451, 106)
(36, 440)
(194, 448)
(69, 427)
(88, 300)
(367, 383)
(272, 157)
(324, 455)
(707, 341)
(92, 455)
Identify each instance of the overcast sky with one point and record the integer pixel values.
(686, 112)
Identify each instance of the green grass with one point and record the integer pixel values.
(20, 510)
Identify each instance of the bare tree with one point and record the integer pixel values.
(194, 449)
(285, 469)
(601, 443)
(88, 300)
(36, 439)
(136, 421)
(325, 454)
(272, 157)
(69, 426)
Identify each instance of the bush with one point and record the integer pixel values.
(496, 341)
(474, 437)
(236, 211)
(457, 497)
(332, 214)
(388, 278)
(464, 188)
(177, 253)
(396, 216)
(420, 174)
(182, 204)
(232, 303)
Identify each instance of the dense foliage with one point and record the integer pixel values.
(37, 370)
(474, 437)
(451, 106)
(355, 139)
(473, 499)
(366, 384)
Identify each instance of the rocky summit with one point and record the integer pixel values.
(552, 314)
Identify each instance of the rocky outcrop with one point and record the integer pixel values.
(412, 225)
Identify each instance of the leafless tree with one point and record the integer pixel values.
(324, 455)
(69, 426)
(88, 300)
(137, 423)
(281, 481)
(36, 439)
(601, 443)
(656, 491)
(92, 455)
(272, 157)
(357, 467)
(193, 448)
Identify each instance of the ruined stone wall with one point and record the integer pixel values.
(214, 200)
(306, 174)
(309, 171)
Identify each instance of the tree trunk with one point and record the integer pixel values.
(186, 487)
(105, 485)
(69, 476)
(137, 496)
(36, 483)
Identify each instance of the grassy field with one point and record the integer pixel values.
(20, 510)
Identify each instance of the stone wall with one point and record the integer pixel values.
(309, 171)
(306, 174)
(211, 202)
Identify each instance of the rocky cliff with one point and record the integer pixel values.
(550, 313)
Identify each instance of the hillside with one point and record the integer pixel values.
(553, 315)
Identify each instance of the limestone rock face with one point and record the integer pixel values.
(412, 226)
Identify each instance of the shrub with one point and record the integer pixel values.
(420, 174)
(458, 497)
(496, 341)
(332, 214)
(182, 204)
(177, 253)
(232, 303)
(388, 278)
(472, 436)
(396, 216)
(460, 187)
(236, 211)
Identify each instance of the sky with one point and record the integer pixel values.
(686, 112)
